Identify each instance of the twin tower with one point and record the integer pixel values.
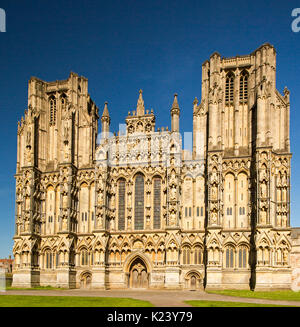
(134, 210)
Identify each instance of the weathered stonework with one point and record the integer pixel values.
(135, 209)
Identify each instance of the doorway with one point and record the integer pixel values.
(138, 276)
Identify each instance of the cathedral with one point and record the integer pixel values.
(133, 209)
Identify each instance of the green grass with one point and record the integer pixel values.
(35, 288)
(69, 301)
(196, 303)
(287, 295)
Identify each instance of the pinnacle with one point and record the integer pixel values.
(175, 104)
(105, 111)
(140, 108)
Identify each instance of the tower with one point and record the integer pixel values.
(247, 153)
(56, 139)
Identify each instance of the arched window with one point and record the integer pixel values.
(244, 86)
(229, 257)
(229, 87)
(63, 101)
(49, 259)
(139, 202)
(186, 254)
(197, 255)
(52, 103)
(121, 204)
(84, 257)
(242, 257)
(157, 203)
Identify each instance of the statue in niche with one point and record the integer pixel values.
(100, 184)
(66, 133)
(263, 174)
(263, 190)
(28, 137)
(263, 217)
(213, 176)
(173, 175)
(214, 192)
(100, 198)
(173, 192)
(214, 218)
(172, 218)
(99, 221)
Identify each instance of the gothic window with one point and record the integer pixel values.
(198, 211)
(157, 203)
(84, 258)
(139, 202)
(49, 259)
(229, 257)
(242, 257)
(229, 88)
(121, 205)
(52, 103)
(186, 253)
(186, 211)
(190, 211)
(197, 255)
(63, 101)
(244, 86)
(201, 211)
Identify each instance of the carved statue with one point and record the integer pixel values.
(173, 192)
(173, 218)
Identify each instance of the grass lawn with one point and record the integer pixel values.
(35, 288)
(197, 303)
(288, 295)
(69, 301)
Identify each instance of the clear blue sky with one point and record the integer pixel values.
(122, 46)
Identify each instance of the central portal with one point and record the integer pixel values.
(138, 274)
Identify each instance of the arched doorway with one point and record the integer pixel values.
(138, 275)
(86, 280)
(193, 281)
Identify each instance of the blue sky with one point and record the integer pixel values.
(123, 46)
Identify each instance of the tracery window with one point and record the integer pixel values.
(229, 86)
(244, 86)
(84, 257)
(139, 202)
(229, 257)
(121, 205)
(197, 255)
(49, 259)
(242, 257)
(186, 254)
(157, 203)
(52, 103)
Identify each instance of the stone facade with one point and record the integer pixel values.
(134, 209)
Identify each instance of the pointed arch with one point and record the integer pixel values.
(244, 77)
(229, 87)
(139, 201)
